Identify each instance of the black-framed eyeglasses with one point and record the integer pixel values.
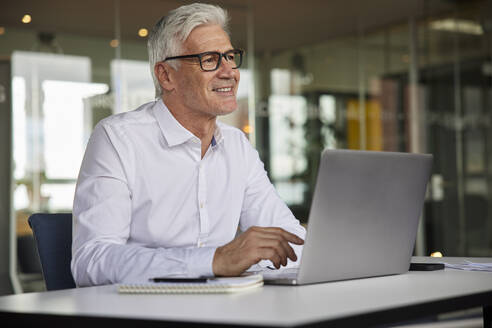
(211, 60)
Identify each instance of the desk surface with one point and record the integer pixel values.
(376, 300)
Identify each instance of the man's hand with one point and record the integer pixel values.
(254, 245)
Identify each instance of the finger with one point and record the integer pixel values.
(269, 254)
(261, 235)
(281, 245)
(290, 237)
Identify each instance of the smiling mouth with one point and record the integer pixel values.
(227, 89)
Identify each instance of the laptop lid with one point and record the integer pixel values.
(364, 215)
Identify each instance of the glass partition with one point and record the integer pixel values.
(420, 85)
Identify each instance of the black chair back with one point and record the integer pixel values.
(53, 235)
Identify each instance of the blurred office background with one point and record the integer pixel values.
(413, 76)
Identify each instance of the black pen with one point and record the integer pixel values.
(179, 280)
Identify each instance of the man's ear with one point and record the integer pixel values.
(164, 75)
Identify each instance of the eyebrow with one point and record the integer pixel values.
(216, 50)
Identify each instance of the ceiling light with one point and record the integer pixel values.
(26, 19)
(2, 30)
(143, 32)
(114, 43)
(247, 128)
(457, 26)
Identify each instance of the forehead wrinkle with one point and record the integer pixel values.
(203, 45)
(200, 42)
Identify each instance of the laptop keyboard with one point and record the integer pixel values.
(269, 274)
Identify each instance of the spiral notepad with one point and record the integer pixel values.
(212, 286)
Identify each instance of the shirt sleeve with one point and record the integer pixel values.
(102, 216)
(262, 206)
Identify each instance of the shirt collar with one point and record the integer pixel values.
(174, 133)
(218, 136)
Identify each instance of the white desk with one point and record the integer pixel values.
(362, 302)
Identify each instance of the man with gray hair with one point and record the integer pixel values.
(163, 189)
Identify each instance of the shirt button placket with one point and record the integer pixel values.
(202, 206)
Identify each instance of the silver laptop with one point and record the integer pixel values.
(363, 219)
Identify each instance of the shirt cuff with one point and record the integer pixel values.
(200, 262)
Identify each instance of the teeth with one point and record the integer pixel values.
(223, 89)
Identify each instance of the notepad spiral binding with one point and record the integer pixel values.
(187, 288)
(180, 289)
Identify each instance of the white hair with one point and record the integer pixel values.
(171, 31)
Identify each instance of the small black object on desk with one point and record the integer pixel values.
(426, 266)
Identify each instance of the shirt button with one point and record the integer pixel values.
(201, 205)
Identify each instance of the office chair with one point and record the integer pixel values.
(53, 235)
(27, 255)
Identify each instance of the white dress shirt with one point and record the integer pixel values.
(147, 204)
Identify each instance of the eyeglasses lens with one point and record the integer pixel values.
(211, 62)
